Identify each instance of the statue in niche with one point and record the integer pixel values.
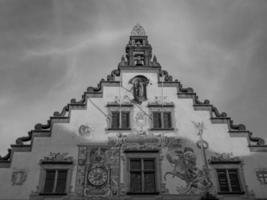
(139, 60)
(139, 88)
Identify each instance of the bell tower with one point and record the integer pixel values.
(138, 50)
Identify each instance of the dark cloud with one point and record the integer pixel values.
(51, 51)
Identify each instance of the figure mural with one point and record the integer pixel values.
(184, 163)
(139, 88)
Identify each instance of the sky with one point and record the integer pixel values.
(51, 51)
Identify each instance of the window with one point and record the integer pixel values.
(143, 172)
(120, 116)
(262, 176)
(120, 120)
(162, 120)
(55, 174)
(142, 175)
(162, 116)
(228, 180)
(55, 181)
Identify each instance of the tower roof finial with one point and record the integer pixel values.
(138, 30)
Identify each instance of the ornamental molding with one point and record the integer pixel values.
(18, 177)
(224, 157)
(97, 172)
(57, 157)
(141, 120)
(138, 30)
(86, 130)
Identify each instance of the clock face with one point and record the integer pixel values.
(97, 176)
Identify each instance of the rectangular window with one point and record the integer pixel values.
(55, 181)
(120, 120)
(228, 180)
(262, 176)
(162, 120)
(142, 175)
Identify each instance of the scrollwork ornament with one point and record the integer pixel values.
(141, 120)
(18, 177)
(85, 130)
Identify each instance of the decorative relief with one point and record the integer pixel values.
(57, 157)
(18, 177)
(85, 130)
(184, 163)
(138, 141)
(140, 121)
(97, 171)
(160, 100)
(224, 157)
(138, 30)
(124, 100)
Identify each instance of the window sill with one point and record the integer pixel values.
(162, 129)
(52, 194)
(119, 129)
(229, 193)
(142, 193)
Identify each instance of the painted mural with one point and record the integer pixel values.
(97, 171)
(183, 160)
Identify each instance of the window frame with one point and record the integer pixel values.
(55, 166)
(154, 154)
(162, 109)
(229, 166)
(120, 108)
(261, 175)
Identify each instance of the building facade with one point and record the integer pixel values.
(138, 135)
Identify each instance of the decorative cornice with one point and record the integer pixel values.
(57, 158)
(116, 104)
(6, 158)
(158, 104)
(224, 158)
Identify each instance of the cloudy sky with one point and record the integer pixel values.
(51, 51)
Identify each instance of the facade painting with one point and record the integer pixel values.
(184, 162)
(18, 177)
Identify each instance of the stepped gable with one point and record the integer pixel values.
(138, 57)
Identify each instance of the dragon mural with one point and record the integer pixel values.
(184, 163)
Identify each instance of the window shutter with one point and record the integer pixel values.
(49, 181)
(125, 120)
(157, 120)
(115, 121)
(167, 120)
